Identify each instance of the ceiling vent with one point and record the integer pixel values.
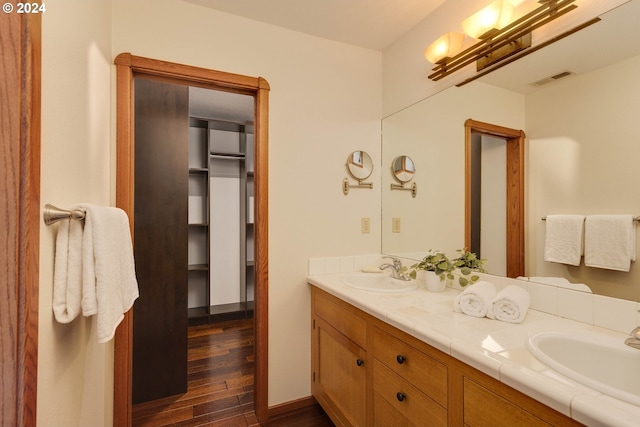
(553, 78)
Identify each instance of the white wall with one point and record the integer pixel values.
(583, 156)
(324, 103)
(75, 374)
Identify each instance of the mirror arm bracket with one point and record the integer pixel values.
(346, 185)
(413, 188)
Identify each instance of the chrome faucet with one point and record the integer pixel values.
(397, 270)
(634, 340)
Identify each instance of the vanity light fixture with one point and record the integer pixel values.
(499, 39)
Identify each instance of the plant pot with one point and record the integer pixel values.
(433, 282)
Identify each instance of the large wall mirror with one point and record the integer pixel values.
(581, 149)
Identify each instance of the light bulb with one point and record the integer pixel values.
(493, 17)
(444, 47)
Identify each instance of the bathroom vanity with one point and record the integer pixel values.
(398, 356)
(366, 372)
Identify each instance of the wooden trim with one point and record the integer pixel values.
(123, 355)
(128, 66)
(190, 74)
(495, 130)
(292, 406)
(515, 190)
(261, 314)
(515, 206)
(20, 112)
(467, 185)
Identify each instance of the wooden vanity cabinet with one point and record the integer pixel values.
(368, 373)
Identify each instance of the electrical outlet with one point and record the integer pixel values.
(395, 225)
(365, 225)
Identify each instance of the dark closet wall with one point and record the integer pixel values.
(160, 239)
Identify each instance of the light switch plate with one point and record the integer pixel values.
(395, 225)
(365, 225)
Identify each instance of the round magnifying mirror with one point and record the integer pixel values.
(359, 165)
(403, 169)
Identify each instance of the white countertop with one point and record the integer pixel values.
(496, 348)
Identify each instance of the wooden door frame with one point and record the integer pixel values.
(129, 66)
(515, 190)
(20, 112)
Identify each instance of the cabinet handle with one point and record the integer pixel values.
(401, 359)
(401, 396)
(359, 362)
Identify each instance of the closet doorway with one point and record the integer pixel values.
(221, 205)
(508, 144)
(251, 197)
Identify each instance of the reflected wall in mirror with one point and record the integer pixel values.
(433, 133)
(581, 147)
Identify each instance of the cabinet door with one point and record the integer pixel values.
(339, 375)
(483, 408)
(160, 240)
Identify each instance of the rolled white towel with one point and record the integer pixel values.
(510, 305)
(476, 299)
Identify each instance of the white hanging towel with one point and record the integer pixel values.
(94, 271)
(564, 239)
(610, 241)
(109, 280)
(67, 271)
(475, 300)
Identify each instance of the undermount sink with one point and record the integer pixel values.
(378, 282)
(599, 361)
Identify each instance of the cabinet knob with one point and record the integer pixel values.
(401, 359)
(401, 396)
(359, 362)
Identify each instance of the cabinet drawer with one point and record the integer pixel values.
(483, 407)
(345, 321)
(397, 403)
(426, 373)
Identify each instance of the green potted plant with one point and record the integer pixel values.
(467, 263)
(438, 268)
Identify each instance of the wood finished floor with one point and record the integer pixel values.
(220, 385)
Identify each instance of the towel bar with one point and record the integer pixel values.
(635, 218)
(53, 214)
